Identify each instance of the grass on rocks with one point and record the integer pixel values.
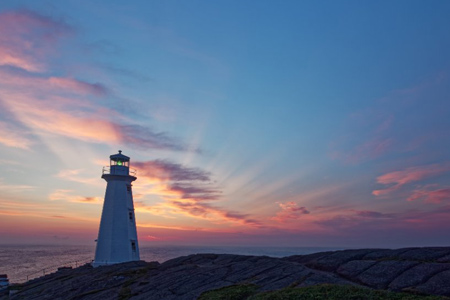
(318, 292)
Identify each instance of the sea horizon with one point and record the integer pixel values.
(22, 262)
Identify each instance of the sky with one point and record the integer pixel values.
(252, 123)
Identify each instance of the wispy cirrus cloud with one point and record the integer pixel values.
(375, 142)
(27, 38)
(211, 213)
(398, 227)
(147, 138)
(429, 194)
(68, 195)
(289, 211)
(187, 191)
(166, 170)
(28, 98)
(59, 105)
(78, 86)
(397, 123)
(397, 179)
(14, 136)
(353, 218)
(14, 187)
(76, 175)
(372, 214)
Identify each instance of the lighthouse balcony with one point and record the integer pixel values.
(118, 170)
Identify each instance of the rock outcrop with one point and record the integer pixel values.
(417, 270)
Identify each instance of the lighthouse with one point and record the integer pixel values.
(117, 237)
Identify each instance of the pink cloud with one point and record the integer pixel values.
(369, 150)
(58, 105)
(43, 105)
(431, 196)
(12, 80)
(26, 38)
(413, 174)
(375, 142)
(289, 211)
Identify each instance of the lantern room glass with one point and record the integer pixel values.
(120, 163)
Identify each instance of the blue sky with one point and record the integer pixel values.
(312, 123)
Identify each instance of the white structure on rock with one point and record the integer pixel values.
(117, 238)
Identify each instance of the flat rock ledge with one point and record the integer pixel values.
(416, 270)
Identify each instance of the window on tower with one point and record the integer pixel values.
(133, 246)
(130, 215)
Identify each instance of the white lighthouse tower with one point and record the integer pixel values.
(117, 238)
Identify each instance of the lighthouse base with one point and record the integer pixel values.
(96, 264)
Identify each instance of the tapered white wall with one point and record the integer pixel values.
(117, 238)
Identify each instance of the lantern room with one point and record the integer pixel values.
(119, 164)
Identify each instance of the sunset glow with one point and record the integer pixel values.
(293, 123)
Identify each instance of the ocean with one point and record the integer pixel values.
(22, 263)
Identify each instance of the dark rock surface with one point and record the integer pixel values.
(424, 270)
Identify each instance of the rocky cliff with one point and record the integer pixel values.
(423, 271)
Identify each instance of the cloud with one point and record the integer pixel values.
(15, 187)
(74, 175)
(398, 123)
(126, 73)
(355, 218)
(27, 38)
(431, 196)
(44, 106)
(89, 199)
(373, 142)
(197, 192)
(165, 170)
(41, 85)
(211, 213)
(289, 211)
(13, 136)
(58, 105)
(67, 195)
(186, 191)
(78, 86)
(146, 138)
(59, 217)
(413, 174)
(402, 228)
(372, 214)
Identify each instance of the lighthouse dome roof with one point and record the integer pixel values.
(119, 156)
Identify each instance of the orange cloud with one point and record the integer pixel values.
(400, 178)
(186, 191)
(36, 104)
(66, 195)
